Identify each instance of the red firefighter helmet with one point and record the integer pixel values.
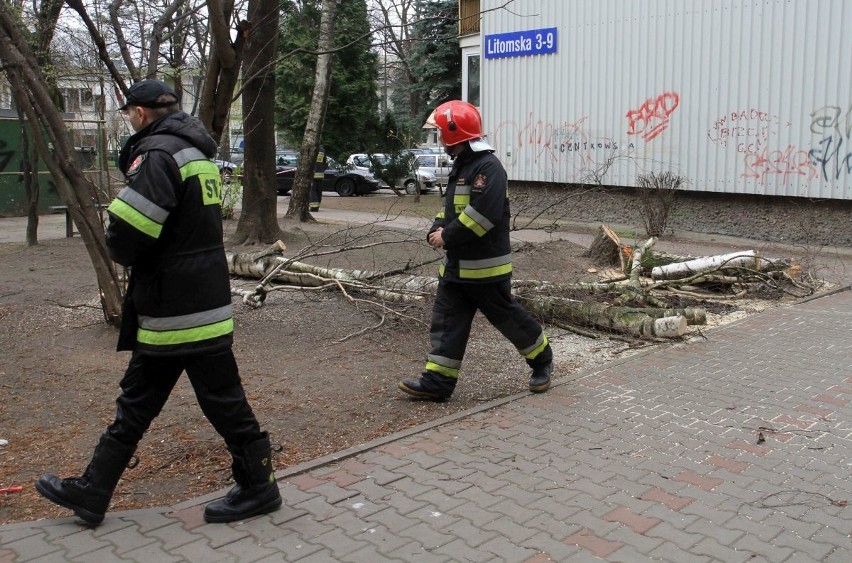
(458, 121)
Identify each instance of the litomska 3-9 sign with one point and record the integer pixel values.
(521, 43)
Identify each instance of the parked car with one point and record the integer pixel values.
(226, 168)
(237, 156)
(436, 163)
(424, 178)
(346, 182)
(287, 160)
(283, 156)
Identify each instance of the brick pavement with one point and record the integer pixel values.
(737, 447)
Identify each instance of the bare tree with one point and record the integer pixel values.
(31, 91)
(258, 221)
(223, 68)
(313, 128)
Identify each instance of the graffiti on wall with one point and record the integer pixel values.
(832, 154)
(781, 165)
(548, 141)
(752, 132)
(652, 117)
(749, 128)
(544, 139)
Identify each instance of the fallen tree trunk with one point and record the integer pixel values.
(637, 322)
(676, 270)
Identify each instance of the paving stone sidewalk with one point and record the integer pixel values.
(737, 447)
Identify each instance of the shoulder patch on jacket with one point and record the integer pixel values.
(479, 182)
(135, 165)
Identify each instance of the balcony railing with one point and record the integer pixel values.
(468, 17)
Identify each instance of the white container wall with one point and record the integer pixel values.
(740, 96)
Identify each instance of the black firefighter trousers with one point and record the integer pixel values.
(457, 303)
(215, 378)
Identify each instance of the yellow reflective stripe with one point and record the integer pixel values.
(461, 199)
(136, 218)
(197, 168)
(480, 219)
(186, 335)
(471, 224)
(439, 215)
(482, 273)
(443, 370)
(538, 349)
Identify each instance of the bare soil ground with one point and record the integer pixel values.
(320, 370)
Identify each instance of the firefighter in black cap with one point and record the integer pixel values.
(166, 225)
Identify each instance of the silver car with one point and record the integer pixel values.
(425, 178)
(437, 164)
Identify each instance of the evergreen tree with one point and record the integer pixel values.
(435, 60)
(352, 121)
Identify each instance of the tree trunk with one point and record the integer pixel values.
(29, 88)
(606, 249)
(630, 321)
(223, 70)
(269, 265)
(258, 222)
(677, 270)
(299, 197)
(29, 177)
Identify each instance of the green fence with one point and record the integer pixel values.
(13, 194)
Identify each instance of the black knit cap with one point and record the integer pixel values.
(146, 92)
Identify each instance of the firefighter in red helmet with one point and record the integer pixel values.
(473, 230)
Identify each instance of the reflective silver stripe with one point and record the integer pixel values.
(444, 361)
(538, 343)
(485, 263)
(462, 190)
(188, 155)
(186, 321)
(144, 205)
(479, 218)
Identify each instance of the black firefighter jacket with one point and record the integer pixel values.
(475, 219)
(166, 225)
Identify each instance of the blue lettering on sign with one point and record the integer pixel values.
(521, 43)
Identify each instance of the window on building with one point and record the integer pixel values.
(78, 99)
(472, 81)
(5, 96)
(87, 100)
(87, 137)
(72, 98)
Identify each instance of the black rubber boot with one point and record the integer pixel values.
(431, 386)
(540, 378)
(89, 495)
(256, 491)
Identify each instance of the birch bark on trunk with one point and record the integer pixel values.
(676, 270)
(299, 197)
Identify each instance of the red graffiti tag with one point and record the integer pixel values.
(781, 164)
(653, 117)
